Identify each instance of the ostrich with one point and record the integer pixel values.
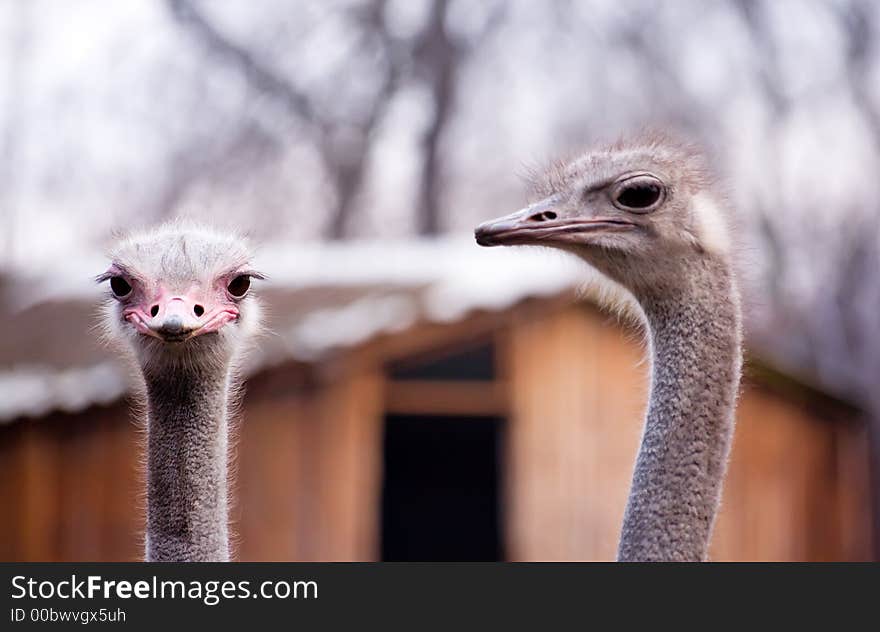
(644, 214)
(180, 304)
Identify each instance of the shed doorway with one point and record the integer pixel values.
(442, 490)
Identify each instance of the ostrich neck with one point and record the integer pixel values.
(695, 339)
(187, 465)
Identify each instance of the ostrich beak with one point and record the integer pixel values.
(542, 224)
(176, 318)
(493, 232)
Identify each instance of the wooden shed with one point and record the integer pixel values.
(392, 418)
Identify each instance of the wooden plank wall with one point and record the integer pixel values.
(70, 488)
(566, 478)
(350, 476)
(797, 486)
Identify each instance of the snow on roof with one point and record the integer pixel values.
(319, 297)
(35, 391)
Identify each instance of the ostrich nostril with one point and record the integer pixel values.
(198, 310)
(154, 311)
(543, 216)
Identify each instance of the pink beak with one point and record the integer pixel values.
(175, 317)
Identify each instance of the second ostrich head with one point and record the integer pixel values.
(182, 296)
(636, 212)
(645, 215)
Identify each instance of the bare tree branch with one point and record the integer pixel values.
(437, 56)
(344, 162)
(257, 73)
(858, 24)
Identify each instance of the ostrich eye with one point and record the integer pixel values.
(639, 195)
(239, 286)
(120, 287)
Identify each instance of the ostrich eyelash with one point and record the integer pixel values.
(114, 270)
(251, 273)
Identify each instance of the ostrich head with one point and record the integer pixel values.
(638, 212)
(179, 295)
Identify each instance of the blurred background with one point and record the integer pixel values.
(421, 398)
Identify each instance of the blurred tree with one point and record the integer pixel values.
(344, 139)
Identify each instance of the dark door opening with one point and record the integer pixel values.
(441, 495)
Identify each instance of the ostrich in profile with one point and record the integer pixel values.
(179, 303)
(644, 214)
